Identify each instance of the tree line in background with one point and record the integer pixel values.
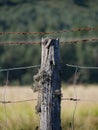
(44, 16)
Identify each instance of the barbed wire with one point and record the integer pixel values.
(18, 43)
(80, 100)
(53, 32)
(18, 101)
(4, 102)
(62, 42)
(63, 99)
(75, 99)
(80, 41)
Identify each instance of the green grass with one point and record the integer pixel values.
(19, 117)
(22, 116)
(86, 117)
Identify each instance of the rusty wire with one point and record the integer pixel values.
(53, 32)
(86, 40)
(80, 41)
(63, 99)
(18, 101)
(18, 43)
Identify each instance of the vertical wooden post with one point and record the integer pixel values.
(50, 85)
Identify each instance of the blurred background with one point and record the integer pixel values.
(45, 16)
(48, 16)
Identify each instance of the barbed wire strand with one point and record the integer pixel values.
(18, 43)
(80, 100)
(86, 40)
(5, 102)
(18, 101)
(63, 99)
(53, 32)
(71, 99)
(19, 68)
(5, 110)
(62, 42)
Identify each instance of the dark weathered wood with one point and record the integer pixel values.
(50, 96)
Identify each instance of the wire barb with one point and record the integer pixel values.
(71, 99)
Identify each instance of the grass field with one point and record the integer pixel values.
(22, 116)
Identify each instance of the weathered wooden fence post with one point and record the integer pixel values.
(50, 83)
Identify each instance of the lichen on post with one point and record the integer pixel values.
(50, 85)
